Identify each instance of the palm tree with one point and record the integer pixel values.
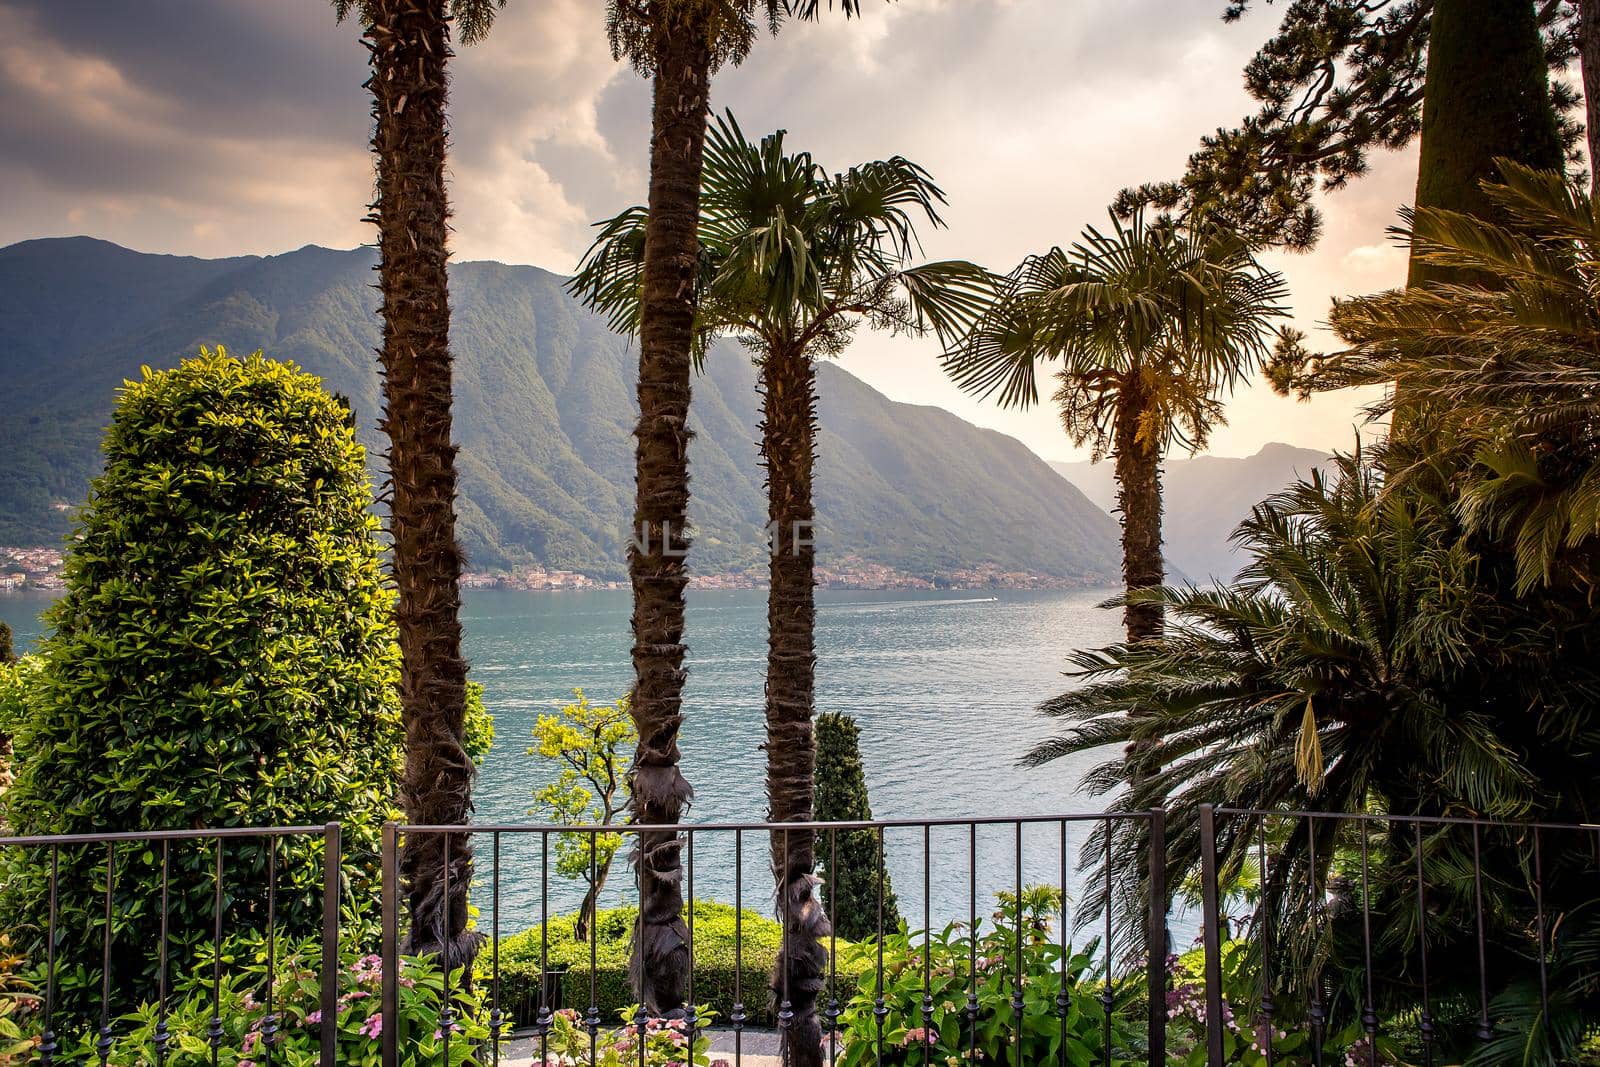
(409, 45)
(792, 261)
(1151, 324)
(678, 44)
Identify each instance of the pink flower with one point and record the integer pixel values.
(373, 1027)
(313, 1018)
(251, 1040)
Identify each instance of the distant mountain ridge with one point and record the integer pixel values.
(544, 416)
(1205, 498)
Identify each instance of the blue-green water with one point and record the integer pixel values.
(943, 684)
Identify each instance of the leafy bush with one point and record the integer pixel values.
(296, 1029)
(613, 932)
(850, 893)
(224, 655)
(908, 1040)
(19, 1005)
(666, 1042)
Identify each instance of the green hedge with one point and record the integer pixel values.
(713, 971)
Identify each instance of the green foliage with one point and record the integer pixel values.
(592, 746)
(19, 1006)
(296, 1005)
(714, 962)
(908, 1039)
(850, 892)
(479, 724)
(224, 655)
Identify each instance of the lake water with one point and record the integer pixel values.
(944, 685)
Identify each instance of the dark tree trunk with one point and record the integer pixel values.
(410, 44)
(1589, 60)
(591, 903)
(1487, 94)
(656, 565)
(788, 438)
(1138, 470)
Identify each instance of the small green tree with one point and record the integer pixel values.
(224, 655)
(850, 891)
(592, 745)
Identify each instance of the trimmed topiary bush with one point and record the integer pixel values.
(224, 655)
(713, 964)
(851, 893)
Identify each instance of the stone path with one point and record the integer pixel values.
(758, 1049)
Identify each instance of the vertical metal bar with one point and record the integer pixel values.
(1485, 1032)
(880, 1010)
(691, 1012)
(927, 944)
(269, 1023)
(214, 1030)
(332, 859)
(47, 1039)
(1018, 1005)
(592, 1020)
(833, 947)
(545, 1017)
(391, 945)
(972, 942)
(785, 958)
(738, 1016)
(1425, 1025)
(103, 1045)
(1544, 976)
(447, 1015)
(163, 1036)
(1155, 937)
(497, 1020)
(1210, 932)
(1108, 1002)
(1063, 1000)
(1369, 1013)
(1265, 926)
(1318, 1013)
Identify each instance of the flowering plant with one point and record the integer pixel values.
(292, 1028)
(1051, 978)
(666, 1042)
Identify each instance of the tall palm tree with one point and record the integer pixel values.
(792, 261)
(678, 44)
(409, 46)
(1152, 324)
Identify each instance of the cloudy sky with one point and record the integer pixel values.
(218, 127)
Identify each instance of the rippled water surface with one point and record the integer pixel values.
(943, 684)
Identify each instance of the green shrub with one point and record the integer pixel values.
(224, 655)
(296, 1010)
(666, 1042)
(613, 932)
(851, 893)
(906, 1039)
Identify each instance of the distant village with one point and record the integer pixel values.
(23, 568)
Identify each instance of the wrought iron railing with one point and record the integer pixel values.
(1344, 929)
(1320, 889)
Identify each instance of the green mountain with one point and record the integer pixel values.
(545, 410)
(1205, 497)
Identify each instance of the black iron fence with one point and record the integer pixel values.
(1325, 938)
(1385, 939)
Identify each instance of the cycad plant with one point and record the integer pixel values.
(792, 261)
(1507, 362)
(1151, 325)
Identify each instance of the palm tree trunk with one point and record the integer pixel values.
(1138, 470)
(409, 43)
(787, 448)
(661, 508)
(1589, 61)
